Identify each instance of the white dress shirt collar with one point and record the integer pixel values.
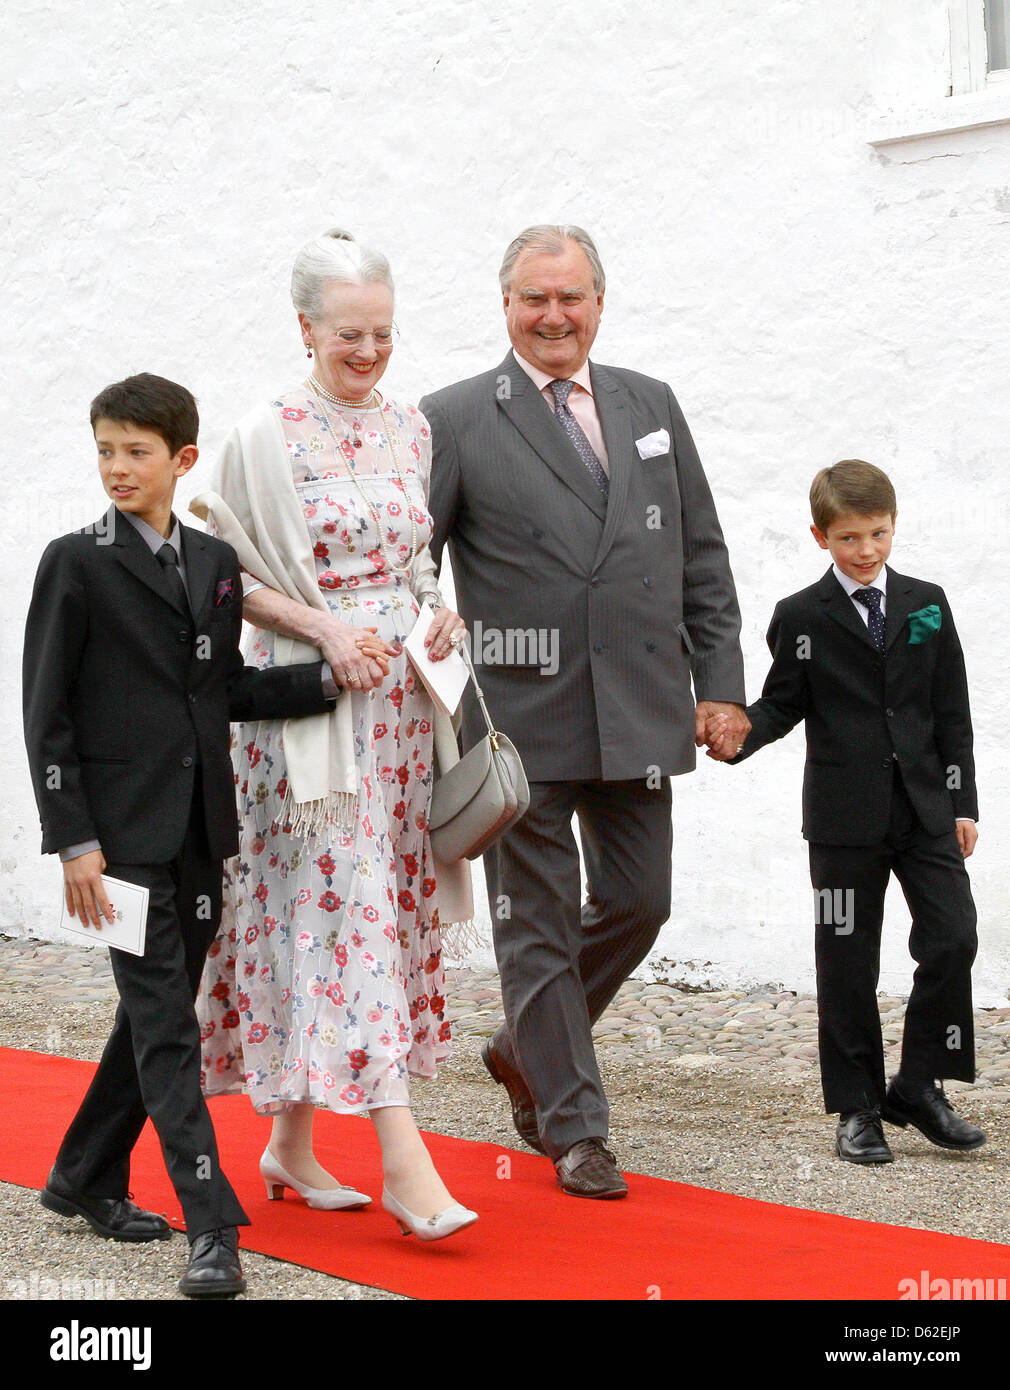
(851, 585)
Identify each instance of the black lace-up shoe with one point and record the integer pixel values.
(214, 1270)
(932, 1114)
(860, 1138)
(115, 1218)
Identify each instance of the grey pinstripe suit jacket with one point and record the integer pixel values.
(636, 590)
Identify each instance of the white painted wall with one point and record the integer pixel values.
(807, 297)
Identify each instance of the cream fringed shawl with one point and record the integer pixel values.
(263, 520)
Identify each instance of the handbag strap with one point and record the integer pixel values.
(464, 651)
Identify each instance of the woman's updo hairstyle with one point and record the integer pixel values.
(334, 256)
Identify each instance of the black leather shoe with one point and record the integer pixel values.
(524, 1111)
(589, 1169)
(932, 1115)
(860, 1138)
(115, 1218)
(214, 1270)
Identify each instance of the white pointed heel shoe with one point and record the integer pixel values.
(446, 1223)
(322, 1198)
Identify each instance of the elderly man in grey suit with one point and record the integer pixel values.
(591, 572)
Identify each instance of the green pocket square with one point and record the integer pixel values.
(923, 623)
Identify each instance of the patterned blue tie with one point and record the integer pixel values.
(562, 390)
(870, 598)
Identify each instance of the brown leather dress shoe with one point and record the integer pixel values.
(524, 1112)
(589, 1169)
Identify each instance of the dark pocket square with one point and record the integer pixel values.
(224, 593)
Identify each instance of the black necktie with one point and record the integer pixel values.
(870, 598)
(170, 565)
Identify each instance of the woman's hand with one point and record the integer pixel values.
(444, 626)
(359, 659)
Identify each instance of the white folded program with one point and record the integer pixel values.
(444, 680)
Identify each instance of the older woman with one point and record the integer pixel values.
(325, 986)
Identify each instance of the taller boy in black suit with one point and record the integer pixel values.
(132, 673)
(870, 659)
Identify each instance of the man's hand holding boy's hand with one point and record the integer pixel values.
(86, 896)
(967, 836)
(722, 727)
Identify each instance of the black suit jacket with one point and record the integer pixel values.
(863, 707)
(124, 692)
(635, 592)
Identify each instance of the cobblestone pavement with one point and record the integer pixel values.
(714, 1087)
(750, 1027)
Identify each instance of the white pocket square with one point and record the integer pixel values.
(650, 445)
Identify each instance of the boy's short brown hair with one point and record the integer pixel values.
(850, 486)
(151, 403)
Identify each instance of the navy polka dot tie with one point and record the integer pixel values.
(562, 390)
(870, 598)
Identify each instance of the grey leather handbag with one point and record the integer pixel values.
(481, 796)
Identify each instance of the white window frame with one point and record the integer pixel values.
(978, 98)
(969, 50)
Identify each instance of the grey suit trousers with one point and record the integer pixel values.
(560, 964)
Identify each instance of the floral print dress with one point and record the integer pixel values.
(325, 983)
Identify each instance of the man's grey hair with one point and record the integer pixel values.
(334, 256)
(550, 238)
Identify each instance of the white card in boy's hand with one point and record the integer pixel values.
(128, 932)
(444, 680)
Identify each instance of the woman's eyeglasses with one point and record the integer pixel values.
(381, 337)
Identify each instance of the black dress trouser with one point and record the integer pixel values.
(849, 884)
(151, 1063)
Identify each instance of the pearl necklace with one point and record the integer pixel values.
(392, 439)
(321, 390)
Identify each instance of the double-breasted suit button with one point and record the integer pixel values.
(650, 646)
(886, 763)
(599, 648)
(187, 761)
(890, 713)
(594, 581)
(183, 636)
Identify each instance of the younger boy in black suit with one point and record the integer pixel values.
(132, 672)
(870, 659)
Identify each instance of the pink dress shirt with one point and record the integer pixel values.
(581, 403)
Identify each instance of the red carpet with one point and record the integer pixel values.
(667, 1240)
